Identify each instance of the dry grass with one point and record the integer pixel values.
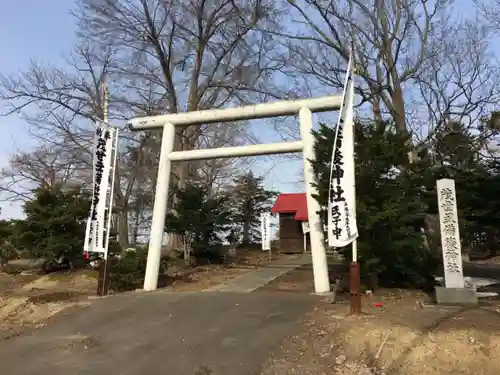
(28, 311)
(83, 281)
(418, 340)
(28, 300)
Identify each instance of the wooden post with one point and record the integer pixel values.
(103, 278)
(355, 287)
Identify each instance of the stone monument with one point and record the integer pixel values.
(454, 291)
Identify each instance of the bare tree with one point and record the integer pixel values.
(61, 106)
(389, 40)
(402, 50)
(490, 11)
(200, 54)
(43, 167)
(489, 14)
(54, 102)
(217, 173)
(458, 82)
(159, 56)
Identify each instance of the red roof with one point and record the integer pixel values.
(292, 203)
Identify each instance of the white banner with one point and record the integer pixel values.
(305, 227)
(97, 225)
(265, 230)
(342, 227)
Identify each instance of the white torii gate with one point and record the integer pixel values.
(304, 109)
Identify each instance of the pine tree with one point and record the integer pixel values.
(249, 199)
(455, 148)
(201, 221)
(7, 248)
(389, 204)
(457, 155)
(55, 222)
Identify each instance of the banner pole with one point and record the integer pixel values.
(354, 270)
(270, 237)
(104, 266)
(342, 225)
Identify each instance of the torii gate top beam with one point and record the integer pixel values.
(273, 109)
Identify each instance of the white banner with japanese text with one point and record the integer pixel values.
(342, 226)
(265, 230)
(103, 166)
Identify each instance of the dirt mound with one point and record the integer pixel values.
(29, 300)
(400, 337)
(68, 281)
(23, 311)
(444, 348)
(5, 278)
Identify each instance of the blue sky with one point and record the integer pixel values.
(36, 29)
(44, 31)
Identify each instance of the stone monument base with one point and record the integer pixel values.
(456, 296)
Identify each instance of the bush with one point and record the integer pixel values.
(127, 270)
(389, 204)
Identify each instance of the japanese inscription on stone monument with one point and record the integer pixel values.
(450, 236)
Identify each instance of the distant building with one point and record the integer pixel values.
(293, 222)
